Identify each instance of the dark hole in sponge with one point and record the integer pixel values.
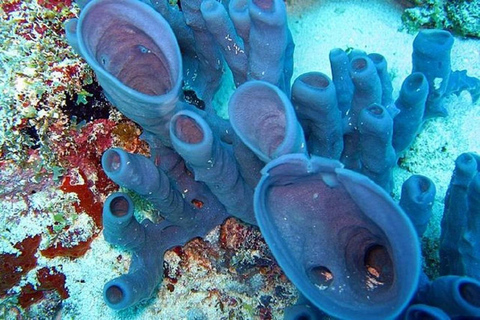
(359, 64)
(379, 265)
(375, 110)
(192, 98)
(119, 206)
(424, 185)
(316, 80)
(303, 316)
(187, 130)
(422, 315)
(114, 161)
(264, 4)
(471, 293)
(114, 294)
(414, 81)
(320, 276)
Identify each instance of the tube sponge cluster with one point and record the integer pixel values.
(459, 241)
(353, 116)
(311, 163)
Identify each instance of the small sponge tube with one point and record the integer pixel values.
(418, 195)
(191, 137)
(127, 290)
(119, 224)
(423, 311)
(456, 295)
(131, 171)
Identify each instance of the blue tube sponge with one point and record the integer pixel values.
(120, 227)
(418, 195)
(238, 11)
(459, 81)
(368, 87)
(367, 91)
(469, 245)
(377, 156)
(147, 240)
(139, 174)
(264, 119)
(254, 39)
(431, 56)
(457, 296)
(340, 66)
(315, 101)
(222, 28)
(424, 312)
(349, 249)
(268, 41)
(213, 163)
(136, 59)
(204, 78)
(382, 70)
(411, 104)
(456, 214)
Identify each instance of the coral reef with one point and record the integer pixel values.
(194, 178)
(460, 17)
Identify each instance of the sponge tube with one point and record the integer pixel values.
(213, 163)
(119, 225)
(138, 173)
(411, 103)
(264, 119)
(431, 56)
(418, 195)
(315, 101)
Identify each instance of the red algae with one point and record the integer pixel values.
(10, 6)
(13, 267)
(56, 5)
(60, 250)
(49, 280)
(83, 148)
(88, 202)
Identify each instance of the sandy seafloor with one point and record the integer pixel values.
(317, 27)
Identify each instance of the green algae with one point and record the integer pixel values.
(461, 17)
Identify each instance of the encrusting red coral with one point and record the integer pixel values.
(56, 5)
(88, 201)
(48, 279)
(13, 267)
